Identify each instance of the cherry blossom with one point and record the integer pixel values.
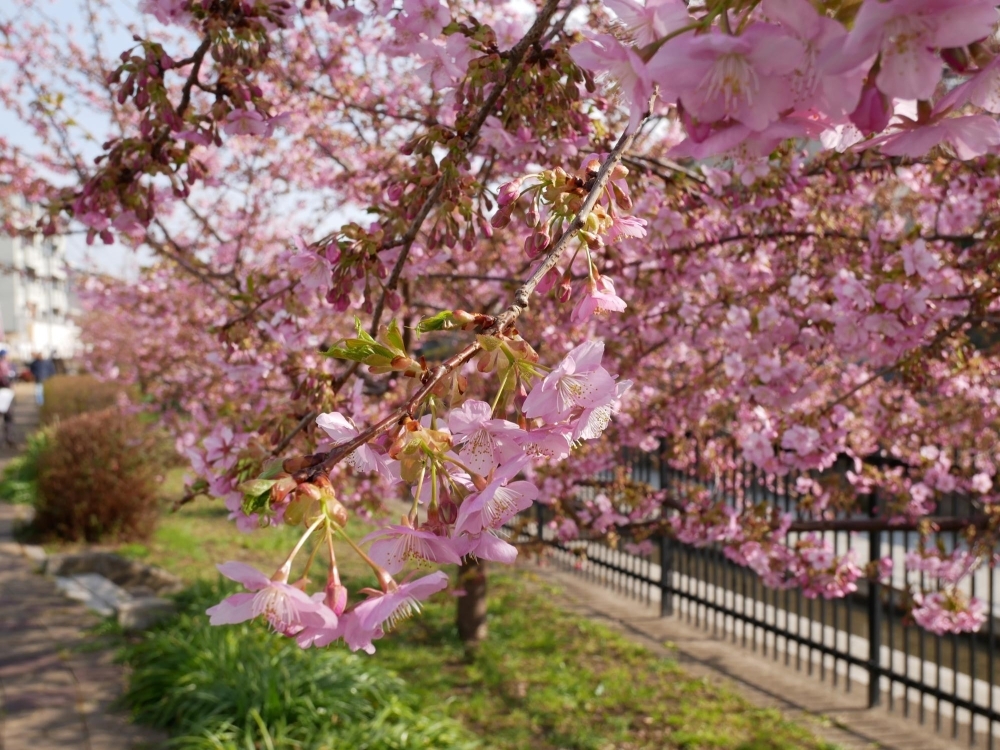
(285, 607)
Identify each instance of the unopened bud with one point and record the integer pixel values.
(336, 597)
(509, 192)
(479, 482)
(957, 58)
(447, 512)
(565, 291)
(502, 217)
(336, 511)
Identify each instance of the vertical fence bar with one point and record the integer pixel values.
(666, 554)
(666, 584)
(874, 615)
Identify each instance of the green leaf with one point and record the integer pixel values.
(394, 339)
(271, 469)
(256, 503)
(440, 322)
(256, 486)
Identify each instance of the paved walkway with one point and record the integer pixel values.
(56, 681)
(829, 712)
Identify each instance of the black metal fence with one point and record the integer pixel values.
(863, 641)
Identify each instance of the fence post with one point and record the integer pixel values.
(666, 553)
(874, 615)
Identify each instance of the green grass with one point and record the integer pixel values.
(545, 679)
(19, 481)
(244, 687)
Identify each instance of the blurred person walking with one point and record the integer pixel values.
(6, 396)
(41, 370)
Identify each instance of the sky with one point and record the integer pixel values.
(111, 259)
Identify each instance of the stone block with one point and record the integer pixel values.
(131, 575)
(144, 612)
(36, 554)
(95, 591)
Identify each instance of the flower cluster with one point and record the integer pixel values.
(742, 83)
(462, 471)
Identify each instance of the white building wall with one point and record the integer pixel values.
(35, 298)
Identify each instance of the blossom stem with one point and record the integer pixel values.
(286, 566)
(496, 401)
(416, 495)
(384, 579)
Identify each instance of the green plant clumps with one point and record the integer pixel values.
(243, 687)
(98, 478)
(69, 395)
(19, 482)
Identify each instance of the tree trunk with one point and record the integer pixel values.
(471, 615)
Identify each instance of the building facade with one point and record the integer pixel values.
(36, 298)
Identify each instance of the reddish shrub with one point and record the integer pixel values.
(98, 478)
(69, 395)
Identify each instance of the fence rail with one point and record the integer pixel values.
(861, 639)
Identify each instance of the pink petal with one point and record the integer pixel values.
(232, 610)
(249, 576)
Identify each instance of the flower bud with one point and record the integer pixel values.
(549, 280)
(502, 217)
(336, 511)
(447, 512)
(873, 112)
(509, 192)
(336, 597)
(565, 290)
(533, 216)
(957, 58)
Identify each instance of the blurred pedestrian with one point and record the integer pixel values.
(41, 370)
(6, 396)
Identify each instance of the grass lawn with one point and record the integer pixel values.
(546, 679)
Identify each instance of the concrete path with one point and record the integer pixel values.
(25, 414)
(830, 712)
(57, 681)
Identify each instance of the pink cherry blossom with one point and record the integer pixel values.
(364, 458)
(551, 442)
(167, 11)
(578, 380)
(486, 442)
(981, 483)
(815, 87)
(906, 33)
(593, 421)
(487, 546)
(757, 448)
(313, 271)
(600, 297)
(740, 77)
(803, 440)
(393, 546)
(650, 20)
(604, 53)
(427, 17)
(499, 502)
(917, 259)
(385, 610)
(285, 607)
(949, 612)
(245, 122)
(968, 137)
